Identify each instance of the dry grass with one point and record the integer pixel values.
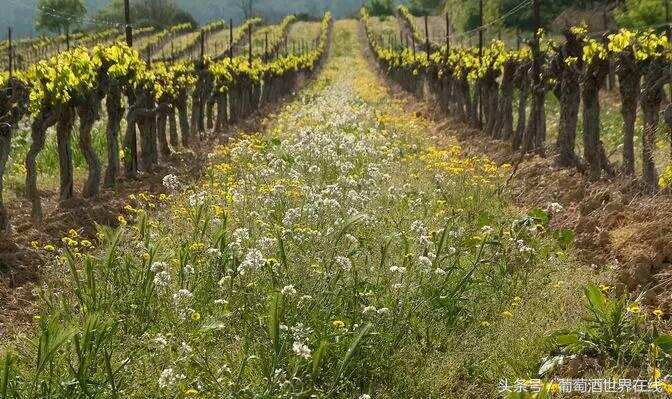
(303, 30)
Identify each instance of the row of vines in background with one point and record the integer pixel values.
(236, 38)
(29, 51)
(191, 42)
(164, 37)
(483, 91)
(167, 105)
(272, 41)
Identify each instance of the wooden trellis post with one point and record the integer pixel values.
(231, 39)
(10, 52)
(127, 20)
(249, 46)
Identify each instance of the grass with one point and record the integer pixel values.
(338, 254)
(436, 25)
(306, 31)
(274, 33)
(388, 26)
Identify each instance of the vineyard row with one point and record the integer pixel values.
(168, 104)
(481, 89)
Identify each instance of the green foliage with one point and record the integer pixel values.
(617, 330)
(380, 8)
(424, 7)
(640, 14)
(157, 13)
(59, 15)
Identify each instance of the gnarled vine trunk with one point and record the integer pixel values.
(41, 122)
(5, 147)
(629, 78)
(63, 136)
(87, 117)
(569, 97)
(655, 77)
(115, 113)
(503, 128)
(13, 106)
(594, 77)
(523, 94)
(221, 120)
(534, 136)
(183, 117)
(162, 117)
(172, 126)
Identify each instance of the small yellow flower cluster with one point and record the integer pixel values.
(665, 179)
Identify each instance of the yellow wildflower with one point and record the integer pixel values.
(634, 308)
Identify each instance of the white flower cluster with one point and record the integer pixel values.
(253, 261)
(171, 182)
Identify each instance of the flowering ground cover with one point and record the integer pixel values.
(338, 253)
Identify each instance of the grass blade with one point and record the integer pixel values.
(352, 349)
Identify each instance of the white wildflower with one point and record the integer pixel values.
(288, 290)
(253, 261)
(158, 266)
(241, 234)
(344, 263)
(291, 216)
(425, 262)
(197, 199)
(554, 207)
(182, 298)
(162, 279)
(169, 378)
(398, 269)
(266, 243)
(369, 309)
(171, 182)
(185, 350)
(214, 251)
(487, 230)
(301, 350)
(160, 341)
